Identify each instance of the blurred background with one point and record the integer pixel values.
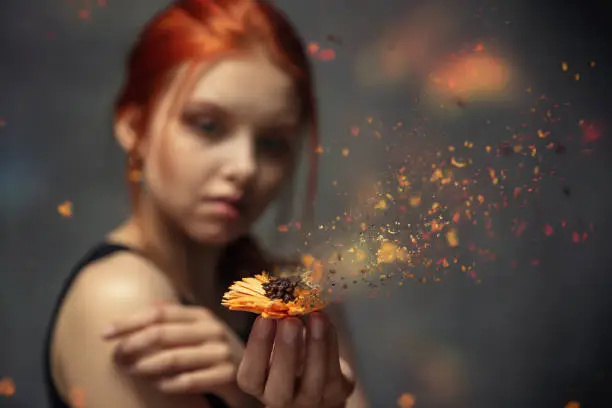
(514, 93)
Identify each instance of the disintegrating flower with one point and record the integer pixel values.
(274, 297)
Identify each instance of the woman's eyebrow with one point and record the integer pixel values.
(205, 107)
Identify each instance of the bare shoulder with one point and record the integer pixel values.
(104, 291)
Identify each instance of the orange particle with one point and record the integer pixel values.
(564, 66)
(452, 238)
(65, 209)
(479, 47)
(307, 260)
(542, 134)
(456, 163)
(283, 228)
(572, 404)
(319, 149)
(456, 217)
(345, 152)
(77, 397)
(406, 401)
(313, 48)
(355, 130)
(327, 54)
(7, 387)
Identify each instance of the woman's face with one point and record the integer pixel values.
(214, 165)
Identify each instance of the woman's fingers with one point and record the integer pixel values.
(165, 335)
(338, 388)
(200, 380)
(159, 314)
(182, 359)
(310, 392)
(280, 386)
(254, 366)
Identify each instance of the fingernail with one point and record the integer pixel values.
(290, 331)
(263, 328)
(317, 327)
(109, 331)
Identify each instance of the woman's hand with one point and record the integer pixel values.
(285, 369)
(183, 349)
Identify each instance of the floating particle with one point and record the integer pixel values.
(407, 400)
(390, 253)
(572, 404)
(355, 130)
(7, 387)
(593, 64)
(461, 103)
(564, 66)
(542, 134)
(505, 150)
(381, 205)
(319, 149)
(590, 133)
(452, 238)
(283, 228)
(65, 209)
(345, 152)
(77, 397)
(415, 200)
(577, 76)
(560, 149)
(548, 230)
(334, 38)
(479, 47)
(457, 163)
(326, 54)
(312, 48)
(2, 123)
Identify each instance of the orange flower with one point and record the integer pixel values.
(274, 297)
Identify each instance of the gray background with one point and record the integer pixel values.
(528, 337)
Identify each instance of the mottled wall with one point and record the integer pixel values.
(525, 336)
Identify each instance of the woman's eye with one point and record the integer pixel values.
(275, 146)
(208, 126)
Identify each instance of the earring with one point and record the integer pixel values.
(134, 169)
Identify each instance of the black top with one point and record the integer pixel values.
(98, 252)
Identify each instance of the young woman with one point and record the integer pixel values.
(217, 95)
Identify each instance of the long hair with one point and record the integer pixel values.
(189, 32)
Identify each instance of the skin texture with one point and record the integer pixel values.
(122, 339)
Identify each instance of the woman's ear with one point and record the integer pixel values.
(127, 127)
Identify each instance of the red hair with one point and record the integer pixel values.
(192, 31)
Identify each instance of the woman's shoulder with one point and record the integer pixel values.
(124, 275)
(81, 359)
(103, 292)
(115, 285)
